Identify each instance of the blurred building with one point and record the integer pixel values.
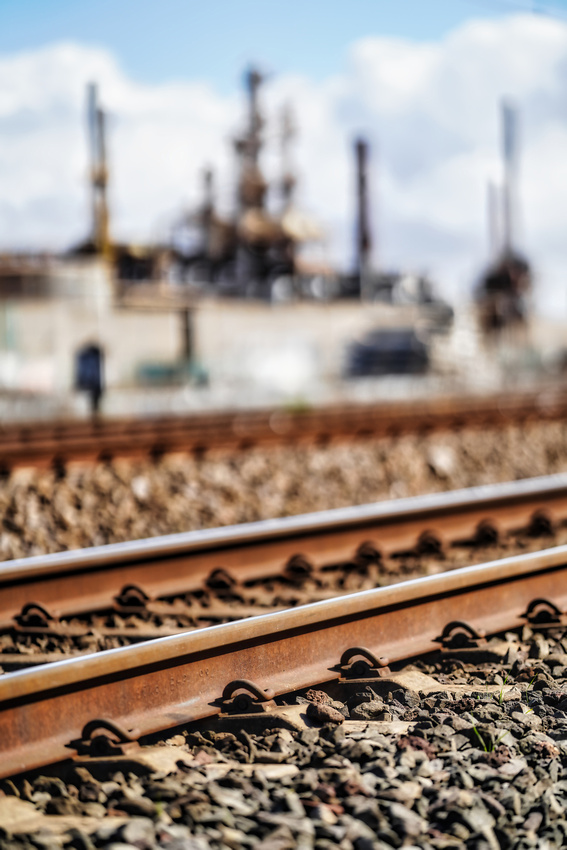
(228, 296)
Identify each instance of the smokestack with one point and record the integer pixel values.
(209, 189)
(254, 80)
(510, 163)
(363, 237)
(251, 184)
(287, 183)
(99, 173)
(493, 209)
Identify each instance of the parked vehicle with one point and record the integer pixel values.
(388, 351)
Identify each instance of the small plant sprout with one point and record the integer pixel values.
(491, 745)
(528, 709)
(501, 694)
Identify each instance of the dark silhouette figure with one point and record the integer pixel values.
(90, 373)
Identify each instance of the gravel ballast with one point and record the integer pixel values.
(124, 500)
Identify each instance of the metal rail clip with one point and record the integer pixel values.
(544, 614)
(242, 696)
(460, 636)
(37, 619)
(246, 707)
(360, 664)
(131, 599)
(104, 738)
(461, 640)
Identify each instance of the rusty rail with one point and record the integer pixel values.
(172, 681)
(58, 443)
(88, 580)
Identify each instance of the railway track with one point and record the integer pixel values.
(49, 714)
(464, 747)
(59, 443)
(80, 601)
(177, 679)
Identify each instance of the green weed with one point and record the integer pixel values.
(491, 745)
(501, 695)
(527, 695)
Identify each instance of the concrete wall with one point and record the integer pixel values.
(288, 345)
(40, 339)
(285, 347)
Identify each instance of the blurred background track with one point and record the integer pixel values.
(55, 444)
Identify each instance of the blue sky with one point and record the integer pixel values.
(160, 40)
(423, 78)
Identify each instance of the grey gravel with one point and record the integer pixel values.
(41, 511)
(481, 770)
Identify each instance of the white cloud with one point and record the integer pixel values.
(430, 111)
(159, 139)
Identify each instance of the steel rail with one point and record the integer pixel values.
(175, 680)
(59, 443)
(86, 580)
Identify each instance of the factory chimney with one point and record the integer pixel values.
(510, 164)
(252, 187)
(363, 237)
(99, 172)
(288, 181)
(494, 221)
